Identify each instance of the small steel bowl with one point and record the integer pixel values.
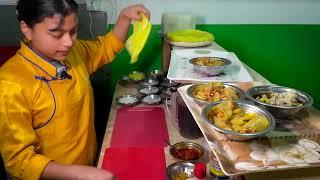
(150, 82)
(156, 74)
(210, 70)
(137, 76)
(279, 111)
(128, 100)
(125, 80)
(169, 83)
(146, 90)
(178, 151)
(174, 169)
(241, 136)
(151, 99)
(240, 93)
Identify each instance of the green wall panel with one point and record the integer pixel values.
(149, 59)
(285, 54)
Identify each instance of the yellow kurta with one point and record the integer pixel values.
(43, 119)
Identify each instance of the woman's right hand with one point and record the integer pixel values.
(88, 173)
(79, 172)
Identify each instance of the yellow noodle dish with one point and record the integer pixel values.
(227, 115)
(214, 92)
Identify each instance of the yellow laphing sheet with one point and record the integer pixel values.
(190, 35)
(136, 42)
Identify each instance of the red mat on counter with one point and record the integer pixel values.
(140, 127)
(135, 163)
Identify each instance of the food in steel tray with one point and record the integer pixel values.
(228, 116)
(288, 99)
(209, 61)
(214, 92)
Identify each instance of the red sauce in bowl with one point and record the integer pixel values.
(186, 154)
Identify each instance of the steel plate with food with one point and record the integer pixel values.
(210, 66)
(278, 100)
(238, 120)
(214, 92)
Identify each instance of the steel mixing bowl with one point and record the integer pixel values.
(275, 110)
(240, 93)
(248, 108)
(207, 69)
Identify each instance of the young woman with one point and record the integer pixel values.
(46, 99)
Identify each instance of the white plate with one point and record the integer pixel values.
(190, 44)
(180, 70)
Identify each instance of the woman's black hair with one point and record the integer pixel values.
(34, 11)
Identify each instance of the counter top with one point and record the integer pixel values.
(175, 136)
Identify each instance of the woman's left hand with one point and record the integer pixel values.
(126, 16)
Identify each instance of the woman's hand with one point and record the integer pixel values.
(60, 171)
(133, 13)
(128, 14)
(88, 173)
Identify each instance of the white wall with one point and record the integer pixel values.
(234, 11)
(225, 11)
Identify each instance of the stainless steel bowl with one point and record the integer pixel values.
(146, 90)
(137, 76)
(156, 74)
(128, 100)
(241, 136)
(241, 94)
(150, 82)
(151, 99)
(169, 83)
(176, 148)
(125, 80)
(180, 167)
(210, 70)
(279, 111)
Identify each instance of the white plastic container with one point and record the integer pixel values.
(176, 21)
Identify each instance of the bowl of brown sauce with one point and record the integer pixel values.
(187, 151)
